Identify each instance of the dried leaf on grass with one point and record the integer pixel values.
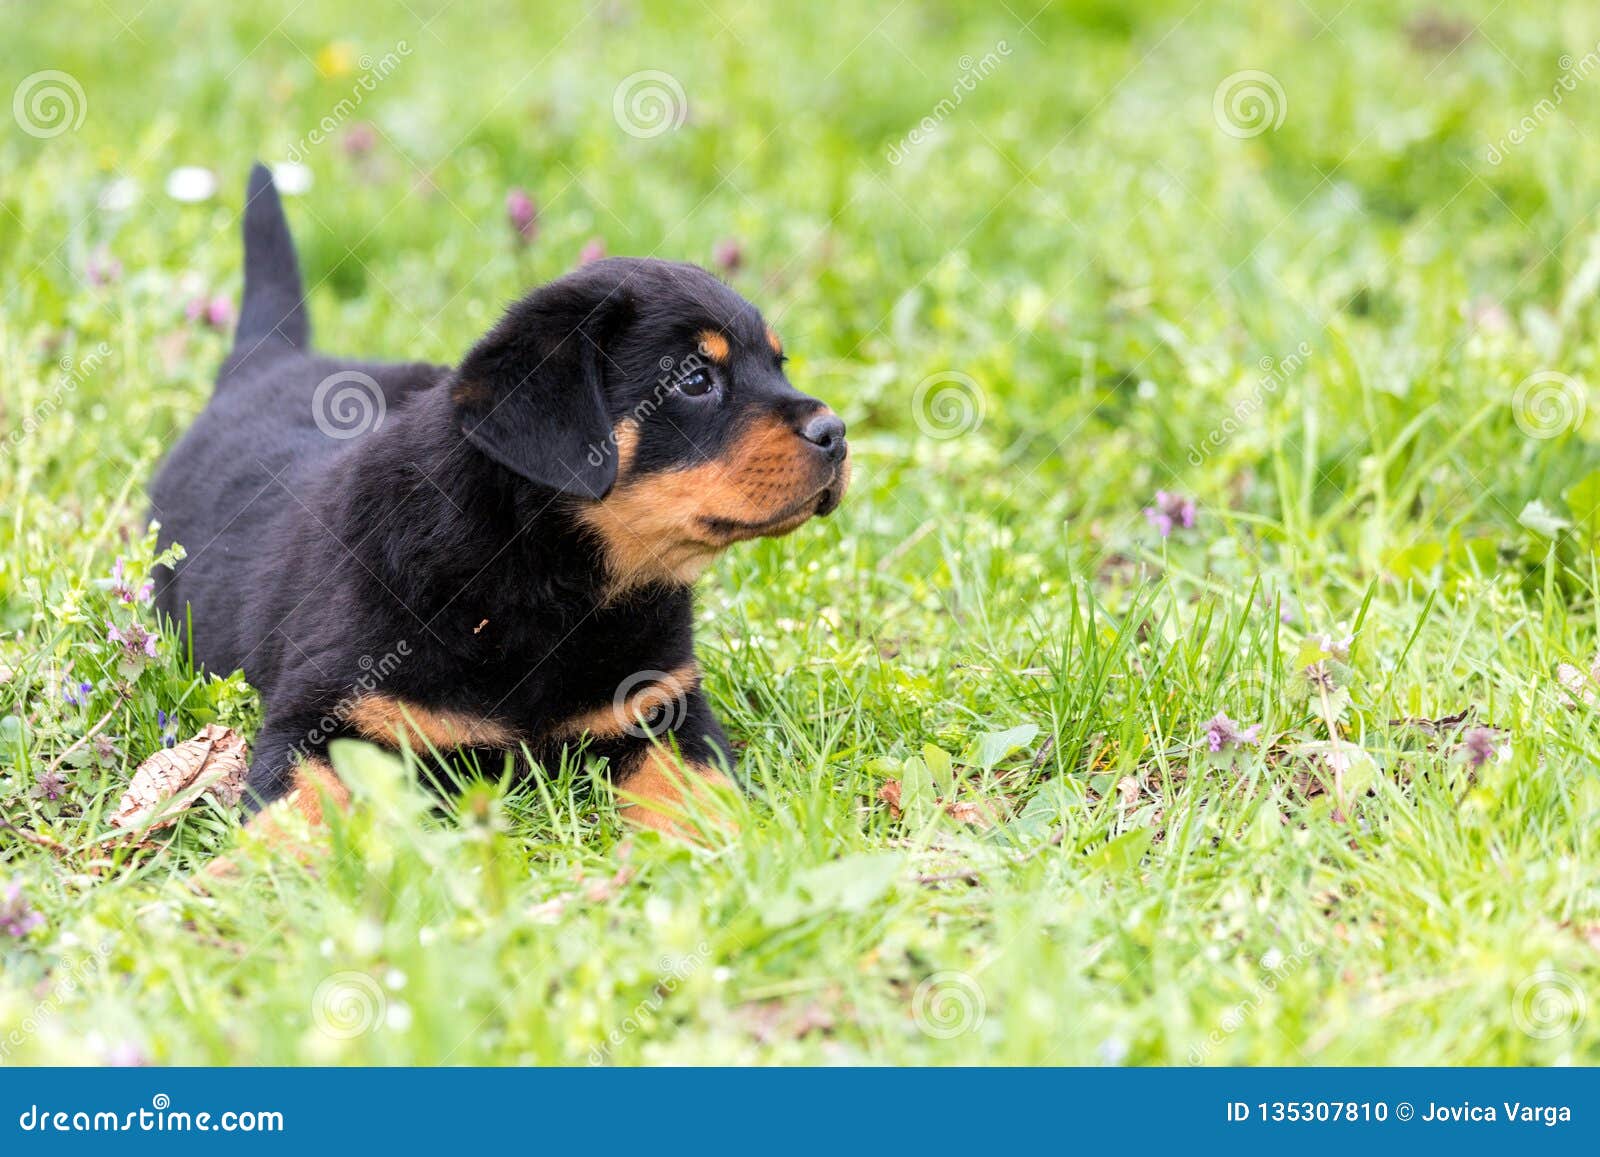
(170, 781)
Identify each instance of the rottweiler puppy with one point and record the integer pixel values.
(498, 556)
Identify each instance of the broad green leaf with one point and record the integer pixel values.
(1543, 521)
(1122, 854)
(991, 747)
(847, 885)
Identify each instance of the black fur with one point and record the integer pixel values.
(450, 532)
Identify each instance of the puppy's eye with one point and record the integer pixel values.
(695, 383)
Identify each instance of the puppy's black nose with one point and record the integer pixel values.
(825, 431)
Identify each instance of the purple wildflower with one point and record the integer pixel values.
(728, 255)
(102, 268)
(1170, 512)
(77, 696)
(169, 728)
(136, 641)
(593, 250)
(1223, 734)
(49, 785)
(1478, 743)
(523, 214)
(17, 917)
(122, 586)
(1338, 648)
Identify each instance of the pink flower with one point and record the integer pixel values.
(126, 1055)
(49, 785)
(17, 917)
(102, 268)
(122, 587)
(1223, 734)
(593, 250)
(728, 255)
(359, 139)
(1170, 512)
(136, 642)
(215, 311)
(1478, 743)
(523, 214)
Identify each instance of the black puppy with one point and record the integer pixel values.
(496, 557)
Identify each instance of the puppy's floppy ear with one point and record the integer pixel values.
(532, 393)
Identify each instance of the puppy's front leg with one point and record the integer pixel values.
(290, 776)
(670, 780)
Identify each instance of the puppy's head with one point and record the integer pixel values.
(654, 398)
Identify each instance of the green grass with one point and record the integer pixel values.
(989, 619)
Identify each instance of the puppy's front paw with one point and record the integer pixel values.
(686, 800)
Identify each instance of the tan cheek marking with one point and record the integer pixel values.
(713, 345)
(615, 719)
(625, 437)
(388, 720)
(774, 341)
(660, 793)
(651, 529)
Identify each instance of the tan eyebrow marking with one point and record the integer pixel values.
(713, 345)
(774, 341)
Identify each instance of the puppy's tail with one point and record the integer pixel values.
(274, 309)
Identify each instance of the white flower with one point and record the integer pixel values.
(292, 178)
(119, 195)
(191, 183)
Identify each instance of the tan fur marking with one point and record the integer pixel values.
(616, 719)
(625, 437)
(386, 719)
(652, 528)
(774, 341)
(315, 783)
(714, 345)
(660, 793)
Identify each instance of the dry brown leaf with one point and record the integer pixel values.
(889, 793)
(169, 782)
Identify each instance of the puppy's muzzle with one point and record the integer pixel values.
(824, 431)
